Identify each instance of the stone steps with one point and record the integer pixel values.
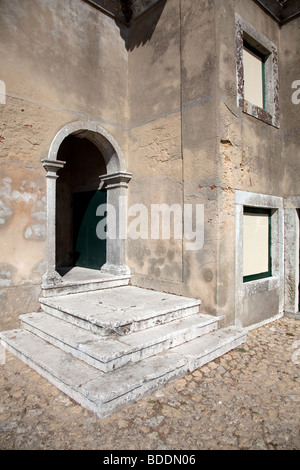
(77, 280)
(110, 347)
(111, 352)
(105, 393)
(120, 311)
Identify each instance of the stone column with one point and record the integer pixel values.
(116, 185)
(291, 255)
(51, 276)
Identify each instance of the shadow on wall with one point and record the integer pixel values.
(136, 27)
(140, 31)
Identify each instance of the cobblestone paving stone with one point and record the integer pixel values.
(247, 399)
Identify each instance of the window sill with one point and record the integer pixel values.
(261, 285)
(259, 113)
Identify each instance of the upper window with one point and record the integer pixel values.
(254, 76)
(257, 74)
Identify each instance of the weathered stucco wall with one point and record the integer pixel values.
(250, 159)
(154, 153)
(172, 142)
(64, 54)
(255, 157)
(199, 143)
(60, 62)
(166, 90)
(222, 149)
(290, 93)
(290, 97)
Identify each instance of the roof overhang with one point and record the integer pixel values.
(124, 11)
(127, 11)
(281, 10)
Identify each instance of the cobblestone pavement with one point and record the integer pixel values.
(247, 399)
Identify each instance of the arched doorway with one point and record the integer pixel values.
(77, 197)
(85, 169)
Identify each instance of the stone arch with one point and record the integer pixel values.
(116, 182)
(104, 141)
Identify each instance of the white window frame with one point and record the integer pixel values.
(276, 280)
(263, 46)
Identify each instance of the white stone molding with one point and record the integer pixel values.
(116, 181)
(291, 255)
(116, 185)
(104, 141)
(52, 167)
(276, 281)
(271, 113)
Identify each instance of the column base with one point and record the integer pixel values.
(51, 279)
(116, 270)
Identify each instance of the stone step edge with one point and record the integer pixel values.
(88, 391)
(69, 287)
(120, 352)
(105, 329)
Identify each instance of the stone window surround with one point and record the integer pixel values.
(116, 182)
(276, 281)
(291, 255)
(270, 115)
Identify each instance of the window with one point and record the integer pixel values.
(254, 76)
(257, 262)
(260, 258)
(257, 74)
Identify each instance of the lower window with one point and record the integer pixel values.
(257, 260)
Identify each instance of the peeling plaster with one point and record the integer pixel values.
(5, 208)
(26, 193)
(6, 274)
(35, 232)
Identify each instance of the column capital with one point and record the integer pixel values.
(116, 180)
(52, 167)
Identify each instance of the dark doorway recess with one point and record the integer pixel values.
(77, 198)
(89, 251)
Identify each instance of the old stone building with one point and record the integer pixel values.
(181, 116)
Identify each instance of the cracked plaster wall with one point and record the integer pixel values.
(183, 85)
(170, 100)
(250, 159)
(172, 143)
(60, 62)
(290, 67)
(252, 154)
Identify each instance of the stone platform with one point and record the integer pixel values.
(109, 347)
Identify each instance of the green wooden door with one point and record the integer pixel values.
(89, 250)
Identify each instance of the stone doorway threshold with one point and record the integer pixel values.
(75, 279)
